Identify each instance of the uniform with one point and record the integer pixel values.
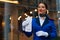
(48, 27)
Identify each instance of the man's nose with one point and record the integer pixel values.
(40, 10)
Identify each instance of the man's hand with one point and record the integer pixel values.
(42, 33)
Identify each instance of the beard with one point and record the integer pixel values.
(42, 15)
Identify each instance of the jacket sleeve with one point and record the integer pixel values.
(28, 34)
(26, 27)
(53, 33)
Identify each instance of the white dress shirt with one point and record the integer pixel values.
(42, 33)
(42, 19)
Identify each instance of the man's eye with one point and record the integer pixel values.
(42, 7)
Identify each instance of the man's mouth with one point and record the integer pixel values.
(40, 10)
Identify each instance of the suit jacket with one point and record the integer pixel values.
(48, 26)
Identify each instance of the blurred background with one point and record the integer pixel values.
(11, 12)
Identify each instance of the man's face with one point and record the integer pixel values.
(41, 9)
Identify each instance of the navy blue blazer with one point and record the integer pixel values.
(48, 26)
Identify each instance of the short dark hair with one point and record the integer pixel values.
(44, 4)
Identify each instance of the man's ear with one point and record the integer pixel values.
(47, 11)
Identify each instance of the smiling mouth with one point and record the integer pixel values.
(40, 10)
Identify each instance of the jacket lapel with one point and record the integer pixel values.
(45, 22)
(37, 21)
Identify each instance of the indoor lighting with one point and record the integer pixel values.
(8, 1)
(35, 10)
(19, 17)
(59, 18)
(30, 12)
(10, 18)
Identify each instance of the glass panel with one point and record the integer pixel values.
(58, 5)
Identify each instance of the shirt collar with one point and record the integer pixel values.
(41, 17)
